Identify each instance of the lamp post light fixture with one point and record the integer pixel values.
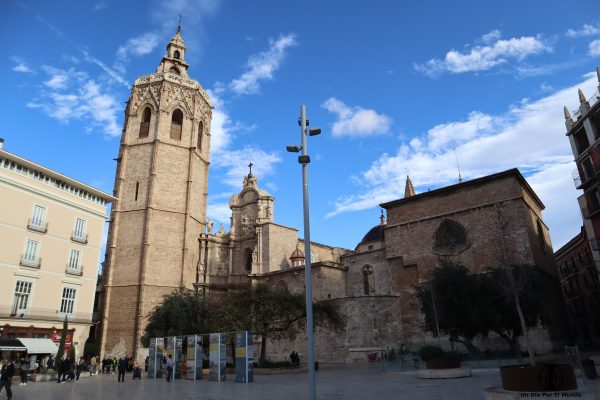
(304, 159)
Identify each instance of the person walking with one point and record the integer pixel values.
(63, 370)
(24, 368)
(6, 374)
(79, 369)
(169, 368)
(122, 368)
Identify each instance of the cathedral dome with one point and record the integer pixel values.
(297, 254)
(375, 234)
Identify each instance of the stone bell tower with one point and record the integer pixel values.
(161, 184)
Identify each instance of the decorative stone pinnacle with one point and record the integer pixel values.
(598, 73)
(409, 189)
(582, 98)
(567, 113)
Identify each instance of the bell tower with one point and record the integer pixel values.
(161, 184)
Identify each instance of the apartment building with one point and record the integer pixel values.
(51, 230)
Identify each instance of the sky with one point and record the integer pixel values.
(398, 88)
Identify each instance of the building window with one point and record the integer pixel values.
(137, 189)
(145, 124)
(176, 124)
(37, 222)
(450, 238)
(174, 70)
(368, 280)
(21, 299)
(67, 303)
(200, 131)
(176, 54)
(73, 265)
(30, 255)
(79, 234)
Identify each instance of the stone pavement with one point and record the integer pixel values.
(365, 381)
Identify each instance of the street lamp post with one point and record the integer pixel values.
(304, 159)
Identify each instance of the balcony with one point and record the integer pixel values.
(44, 314)
(37, 225)
(30, 262)
(79, 237)
(590, 171)
(74, 270)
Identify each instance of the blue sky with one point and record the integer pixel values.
(391, 84)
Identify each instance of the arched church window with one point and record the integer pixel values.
(281, 285)
(175, 70)
(176, 124)
(540, 235)
(200, 131)
(176, 54)
(248, 260)
(368, 280)
(450, 238)
(145, 122)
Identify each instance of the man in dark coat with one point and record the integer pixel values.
(63, 369)
(8, 370)
(122, 366)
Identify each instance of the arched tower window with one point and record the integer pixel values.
(175, 70)
(176, 54)
(540, 235)
(200, 131)
(145, 122)
(450, 238)
(368, 280)
(248, 260)
(176, 124)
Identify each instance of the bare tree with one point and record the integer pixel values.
(517, 278)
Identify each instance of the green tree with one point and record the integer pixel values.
(73, 362)
(274, 314)
(63, 338)
(181, 312)
(451, 303)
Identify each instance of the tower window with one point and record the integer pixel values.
(137, 189)
(368, 284)
(200, 131)
(176, 54)
(541, 238)
(176, 123)
(145, 123)
(175, 70)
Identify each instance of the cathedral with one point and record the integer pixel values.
(159, 238)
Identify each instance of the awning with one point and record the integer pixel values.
(11, 345)
(39, 346)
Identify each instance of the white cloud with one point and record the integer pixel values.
(74, 96)
(138, 46)
(530, 136)
(356, 121)
(482, 58)
(235, 163)
(492, 36)
(261, 66)
(219, 212)
(100, 5)
(587, 30)
(21, 66)
(594, 48)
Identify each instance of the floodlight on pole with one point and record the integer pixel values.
(304, 159)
